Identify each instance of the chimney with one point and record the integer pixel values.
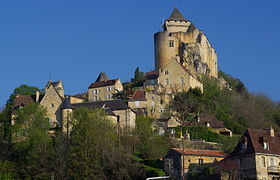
(37, 96)
(271, 131)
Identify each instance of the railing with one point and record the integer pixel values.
(273, 169)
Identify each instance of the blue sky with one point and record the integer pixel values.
(74, 40)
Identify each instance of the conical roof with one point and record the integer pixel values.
(176, 16)
(102, 77)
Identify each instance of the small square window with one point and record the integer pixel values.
(200, 161)
(109, 88)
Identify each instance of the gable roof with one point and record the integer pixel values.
(176, 16)
(138, 95)
(199, 152)
(103, 83)
(112, 105)
(102, 77)
(255, 140)
(206, 118)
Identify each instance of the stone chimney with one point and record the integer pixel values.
(271, 130)
(37, 97)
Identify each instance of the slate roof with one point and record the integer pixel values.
(255, 139)
(102, 77)
(176, 16)
(103, 83)
(198, 152)
(206, 118)
(66, 104)
(138, 95)
(112, 105)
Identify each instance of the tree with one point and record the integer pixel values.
(32, 142)
(94, 151)
(187, 103)
(22, 90)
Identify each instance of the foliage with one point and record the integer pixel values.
(204, 133)
(30, 133)
(7, 170)
(22, 90)
(150, 144)
(94, 151)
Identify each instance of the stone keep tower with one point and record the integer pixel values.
(182, 41)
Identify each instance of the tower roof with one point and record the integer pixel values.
(102, 77)
(67, 104)
(176, 16)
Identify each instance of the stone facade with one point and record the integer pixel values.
(103, 89)
(257, 156)
(179, 162)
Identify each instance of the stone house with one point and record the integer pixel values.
(145, 103)
(117, 111)
(179, 162)
(257, 156)
(103, 88)
(210, 121)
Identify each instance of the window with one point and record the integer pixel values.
(95, 98)
(182, 80)
(265, 145)
(52, 105)
(96, 91)
(108, 96)
(167, 81)
(200, 161)
(263, 161)
(166, 72)
(171, 43)
(109, 88)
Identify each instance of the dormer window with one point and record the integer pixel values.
(265, 145)
(244, 143)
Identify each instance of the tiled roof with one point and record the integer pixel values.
(176, 16)
(102, 77)
(151, 75)
(112, 105)
(206, 118)
(138, 95)
(255, 139)
(199, 152)
(103, 83)
(23, 100)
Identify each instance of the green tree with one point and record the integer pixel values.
(32, 142)
(94, 149)
(22, 90)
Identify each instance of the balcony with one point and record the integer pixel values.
(273, 169)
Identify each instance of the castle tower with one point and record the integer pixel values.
(66, 116)
(182, 41)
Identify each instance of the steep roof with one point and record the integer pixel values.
(112, 105)
(198, 152)
(102, 77)
(138, 95)
(103, 83)
(23, 100)
(176, 16)
(255, 140)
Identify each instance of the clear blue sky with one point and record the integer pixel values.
(74, 40)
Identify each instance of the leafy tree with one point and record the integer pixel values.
(31, 135)
(22, 90)
(150, 144)
(7, 170)
(94, 151)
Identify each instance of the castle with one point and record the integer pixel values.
(183, 55)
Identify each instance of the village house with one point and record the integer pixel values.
(179, 162)
(103, 88)
(210, 121)
(256, 156)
